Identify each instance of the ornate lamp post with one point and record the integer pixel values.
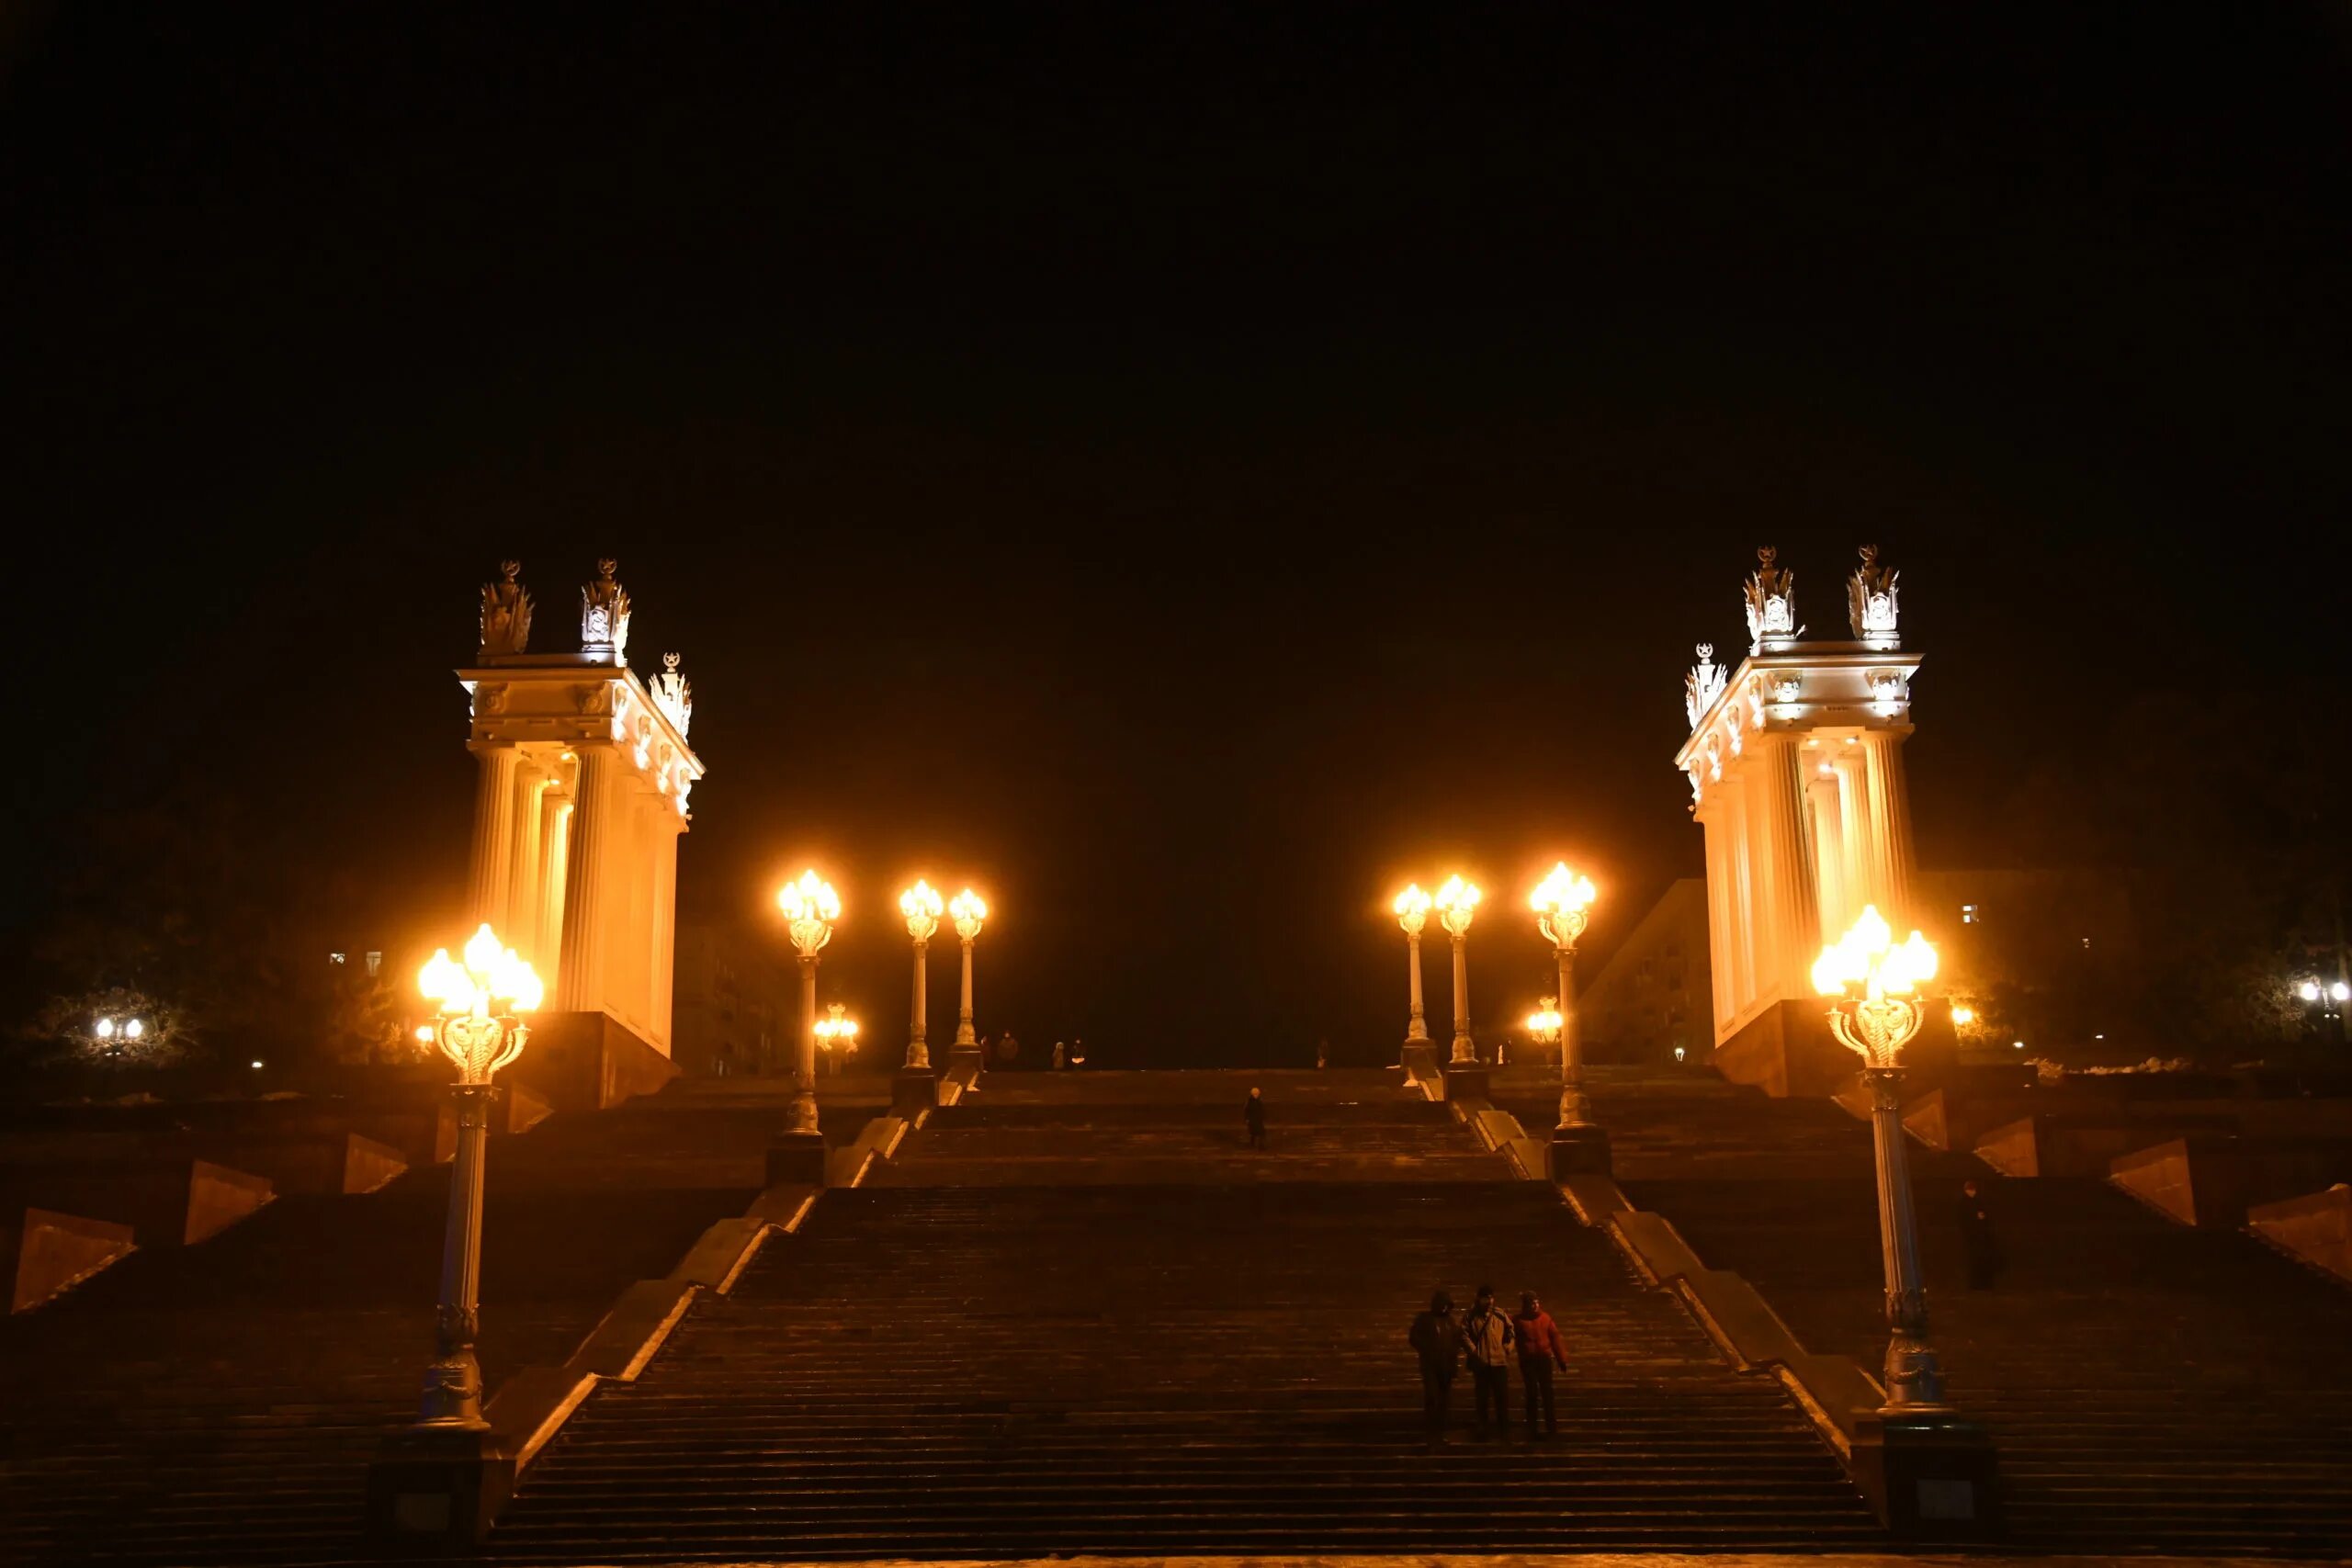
(916, 1087)
(446, 1476)
(969, 910)
(1562, 902)
(1878, 1013)
(810, 906)
(1456, 902)
(1412, 907)
(836, 1031)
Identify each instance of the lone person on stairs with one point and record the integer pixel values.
(1540, 1351)
(1977, 1237)
(1489, 1335)
(1437, 1339)
(1253, 1117)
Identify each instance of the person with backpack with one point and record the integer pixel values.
(1488, 1336)
(1436, 1338)
(1540, 1351)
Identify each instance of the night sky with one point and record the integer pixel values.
(1183, 469)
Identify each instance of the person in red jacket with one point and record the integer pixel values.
(1540, 1351)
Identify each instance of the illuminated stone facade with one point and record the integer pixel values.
(1796, 767)
(584, 778)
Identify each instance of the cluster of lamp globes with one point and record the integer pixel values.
(481, 995)
(811, 907)
(124, 1031)
(1562, 903)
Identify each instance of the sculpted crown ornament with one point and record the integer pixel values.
(1772, 592)
(505, 612)
(603, 615)
(1702, 685)
(674, 694)
(1870, 602)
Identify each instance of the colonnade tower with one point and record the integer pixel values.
(583, 793)
(1795, 765)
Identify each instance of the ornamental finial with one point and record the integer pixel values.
(604, 617)
(505, 612)
(674, 695)
(1870, 602)
(1772, 605)
(1702, 685)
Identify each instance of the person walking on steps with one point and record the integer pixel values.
(1977, 1237)
(1488, 1336)
(1539, 1352)
(1436, 1338)
(1253, 1117)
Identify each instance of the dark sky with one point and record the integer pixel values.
(1186, 468)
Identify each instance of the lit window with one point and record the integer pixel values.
(2086, 941)
(1968, 914)
(374, 962)
(335, 957)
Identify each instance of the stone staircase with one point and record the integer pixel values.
(2152, 1387)
(1077, 1314)
(218, 1404)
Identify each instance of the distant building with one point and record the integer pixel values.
(733, 1004)
(2026, 954)
(1654, 993)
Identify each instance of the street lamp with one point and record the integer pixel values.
(1412, 906)
(837, 1029)
(1544, 1023)
(810, 906)
(1456, 902)
(922, 906)
(1561, 902)
(480, 1030)
(969, 910)
(1876, 980)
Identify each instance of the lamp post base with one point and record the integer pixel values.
(1928, 1473)
(1579, 1151)
(1466, 1080)
(1420, 1059)
(796, 1159)
(435, 1490)
(913, 1091)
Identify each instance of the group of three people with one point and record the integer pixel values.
(1491, 1340)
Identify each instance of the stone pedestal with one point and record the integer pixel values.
(1579, 1151)
(1466, 1082)
(437, 1490)
(1930, 1475)
(1420, 1059)
(967, 1060)
(796, 1159)
(913, 1091)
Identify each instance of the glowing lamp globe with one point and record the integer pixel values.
(1412, 907)
(922, 906)
(1877, 976)
(481, 998)
(1562, 902)
(1456, 901)
(969, 909)
(810, 906)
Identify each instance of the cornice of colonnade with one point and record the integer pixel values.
(1814, 690)
(540, 703)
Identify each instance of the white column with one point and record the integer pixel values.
(588, 891)
(1890, 801)
(555, 866)
(665, 919)
(964, 1035)
(1465, 1050)
(1825, 813)
(493, 834)
(1741, 852)
(1788, 915)
(1854, 831)
(1417, 1028)
(524, 896)
(633, 927)
(1721, 968)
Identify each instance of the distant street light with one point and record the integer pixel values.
(1544, 1023)
(969, 909)
(1562, 902)
(480, 1030)
(1877, 1015)
(1412, 906)
(836, 1031)
(1456, 902)
(922, 906)
(810, 906)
